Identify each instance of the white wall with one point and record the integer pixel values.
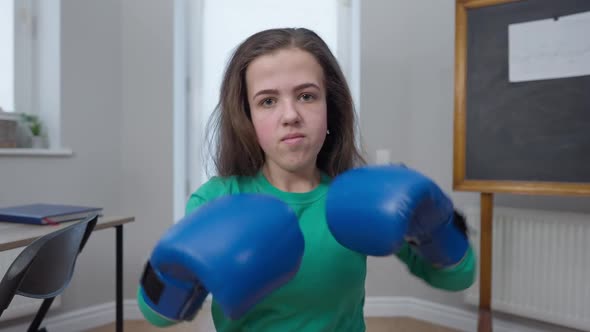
(7, 54)
(406, 107)
(146, 129)
(91, 108)
(117, 115)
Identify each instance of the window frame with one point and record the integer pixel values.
(25, 16)
(37, 76)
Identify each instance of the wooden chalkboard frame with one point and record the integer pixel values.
(460, 182)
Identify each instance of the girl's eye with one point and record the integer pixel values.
(267, 102)
(307, 97)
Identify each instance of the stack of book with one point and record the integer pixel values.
(44, 214)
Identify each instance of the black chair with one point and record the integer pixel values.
(44, 268)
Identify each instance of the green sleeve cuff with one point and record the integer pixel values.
(150, 315)
(457, 277)
(454, 278)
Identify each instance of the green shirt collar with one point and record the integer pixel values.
(294, 198)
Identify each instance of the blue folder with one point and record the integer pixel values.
(42, 214)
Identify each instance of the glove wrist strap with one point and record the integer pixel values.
(172, 299)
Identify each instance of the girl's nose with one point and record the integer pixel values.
(290, 113)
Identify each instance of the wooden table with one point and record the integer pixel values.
(13, 235)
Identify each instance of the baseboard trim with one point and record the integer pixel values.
(394, 306)
(84, 319)
(444, 315)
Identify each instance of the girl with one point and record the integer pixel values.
(285, 126)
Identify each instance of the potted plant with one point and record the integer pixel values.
(35, 126)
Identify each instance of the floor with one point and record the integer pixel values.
(398, 324)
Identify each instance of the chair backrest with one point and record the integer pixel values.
(45, 267)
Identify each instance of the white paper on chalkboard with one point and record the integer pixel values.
(550, 48)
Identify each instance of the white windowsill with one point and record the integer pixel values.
(62, 152)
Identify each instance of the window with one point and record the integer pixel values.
(7, 56)
(218, 26)
(18, 21)
(30, 62)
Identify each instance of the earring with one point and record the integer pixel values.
(328, 131)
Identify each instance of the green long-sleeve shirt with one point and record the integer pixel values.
(328, 291)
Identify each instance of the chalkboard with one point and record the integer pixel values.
(529, 137)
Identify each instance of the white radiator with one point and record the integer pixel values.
(541, 265)
(20, 306)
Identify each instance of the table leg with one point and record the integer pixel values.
(119, 298)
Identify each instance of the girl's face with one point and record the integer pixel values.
(287, 99)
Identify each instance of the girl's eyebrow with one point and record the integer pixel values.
(275, 91)
(305, 86)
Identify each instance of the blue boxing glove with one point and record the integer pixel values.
(239, 248)
(375, 210)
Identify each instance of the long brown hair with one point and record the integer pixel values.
(231, 135)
